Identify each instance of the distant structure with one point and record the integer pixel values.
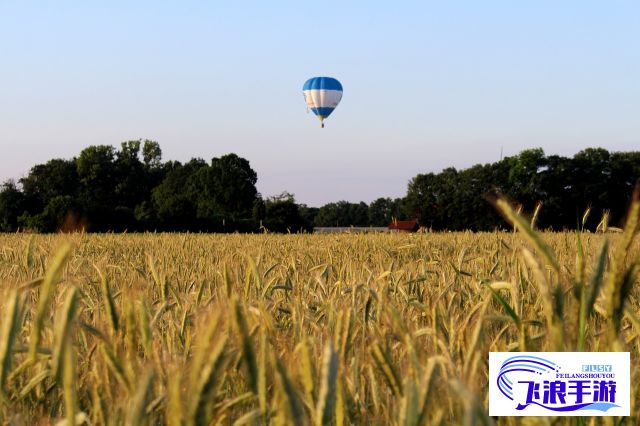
(404, 225)
(349, 229)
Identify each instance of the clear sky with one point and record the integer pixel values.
(427, 84)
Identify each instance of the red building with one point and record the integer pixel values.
(404, 225)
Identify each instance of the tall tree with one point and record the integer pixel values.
(282, 214)
(421, 199)
(98, 179)
(55, 178)
(151, 154)
(381, 212)
(174, 199)
(11, 206)
(343, 213)
(226, 190)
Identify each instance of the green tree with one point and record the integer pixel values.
(225, 190)
(525, 176)
(55, 178)
(259, 211)
(343, 213)
(151, 154)
(133, 187)
(98, 179)
(381, 212)
(308, 215)
(431, 198)
(61, 213)
(11, 206)
(591, 183)
(174, 198)
(625, 174)
(472, 210)
(282, 214)
(555, 192)
(421, 199)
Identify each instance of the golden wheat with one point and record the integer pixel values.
(193, 329)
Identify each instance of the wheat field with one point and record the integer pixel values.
(195, 329)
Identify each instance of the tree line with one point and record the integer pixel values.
(132, 189)
(593, 179)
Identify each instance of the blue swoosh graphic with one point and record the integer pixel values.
(505, 372)
(507, 385)
(528, 358)
(600, 406)
(527, 364)
(505, 364)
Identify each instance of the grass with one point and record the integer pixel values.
(191, 329)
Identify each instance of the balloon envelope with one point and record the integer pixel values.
(322, 95)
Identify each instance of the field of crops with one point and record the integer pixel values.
(189, 329)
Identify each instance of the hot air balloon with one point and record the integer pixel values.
(322, 95)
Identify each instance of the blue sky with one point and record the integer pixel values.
(427, 84)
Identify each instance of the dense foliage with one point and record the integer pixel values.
(104, 189)
(594, 178)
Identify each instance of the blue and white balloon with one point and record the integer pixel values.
(322, 95)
